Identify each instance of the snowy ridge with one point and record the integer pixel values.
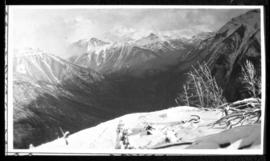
(41, 66)
(117, 56)
(168, 127)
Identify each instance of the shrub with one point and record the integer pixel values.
(201, 89)
(250, 79)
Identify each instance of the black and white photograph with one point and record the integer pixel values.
(124, 79)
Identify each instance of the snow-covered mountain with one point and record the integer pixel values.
(51, 94)
(37, 65)
(196, 39)
(86, 45)
(149, 53)
(47, 90)
(104, 80)
(161, 44)
(90, 44)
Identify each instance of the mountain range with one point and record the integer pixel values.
(103, 80)
(137, 57)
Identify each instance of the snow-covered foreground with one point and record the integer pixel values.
(180, 127)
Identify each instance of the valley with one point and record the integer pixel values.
(104, 80)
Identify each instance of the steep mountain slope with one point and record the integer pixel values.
(51, 93)
(150, 53)
(237, 41)
(163, 72)
(39, 66)
(140, 69)
(152, 56)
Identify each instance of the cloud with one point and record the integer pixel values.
(122, 33)
(81, 28)
(55, 29)
(121, 30)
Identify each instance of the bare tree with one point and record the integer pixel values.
(251, 80)
(201, 89)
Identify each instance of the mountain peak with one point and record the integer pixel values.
(152, 36)
(249, 21)
(93, 42)
(203, 35)
(148, 39)
(93, 39)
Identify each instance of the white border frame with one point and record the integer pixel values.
(9, 116)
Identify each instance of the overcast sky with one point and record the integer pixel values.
(53, 29)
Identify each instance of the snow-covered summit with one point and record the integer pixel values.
(90, 44)
(41, 66)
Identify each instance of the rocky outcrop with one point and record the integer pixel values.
(237, 41)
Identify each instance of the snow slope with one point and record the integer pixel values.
(170, 126)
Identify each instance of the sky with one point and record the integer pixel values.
(54, 29)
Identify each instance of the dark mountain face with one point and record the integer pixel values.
(105, 80)
(225, 51)
(52, 95)
(49, 94)
(236, 42)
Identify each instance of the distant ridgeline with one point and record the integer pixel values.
(104, 80)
